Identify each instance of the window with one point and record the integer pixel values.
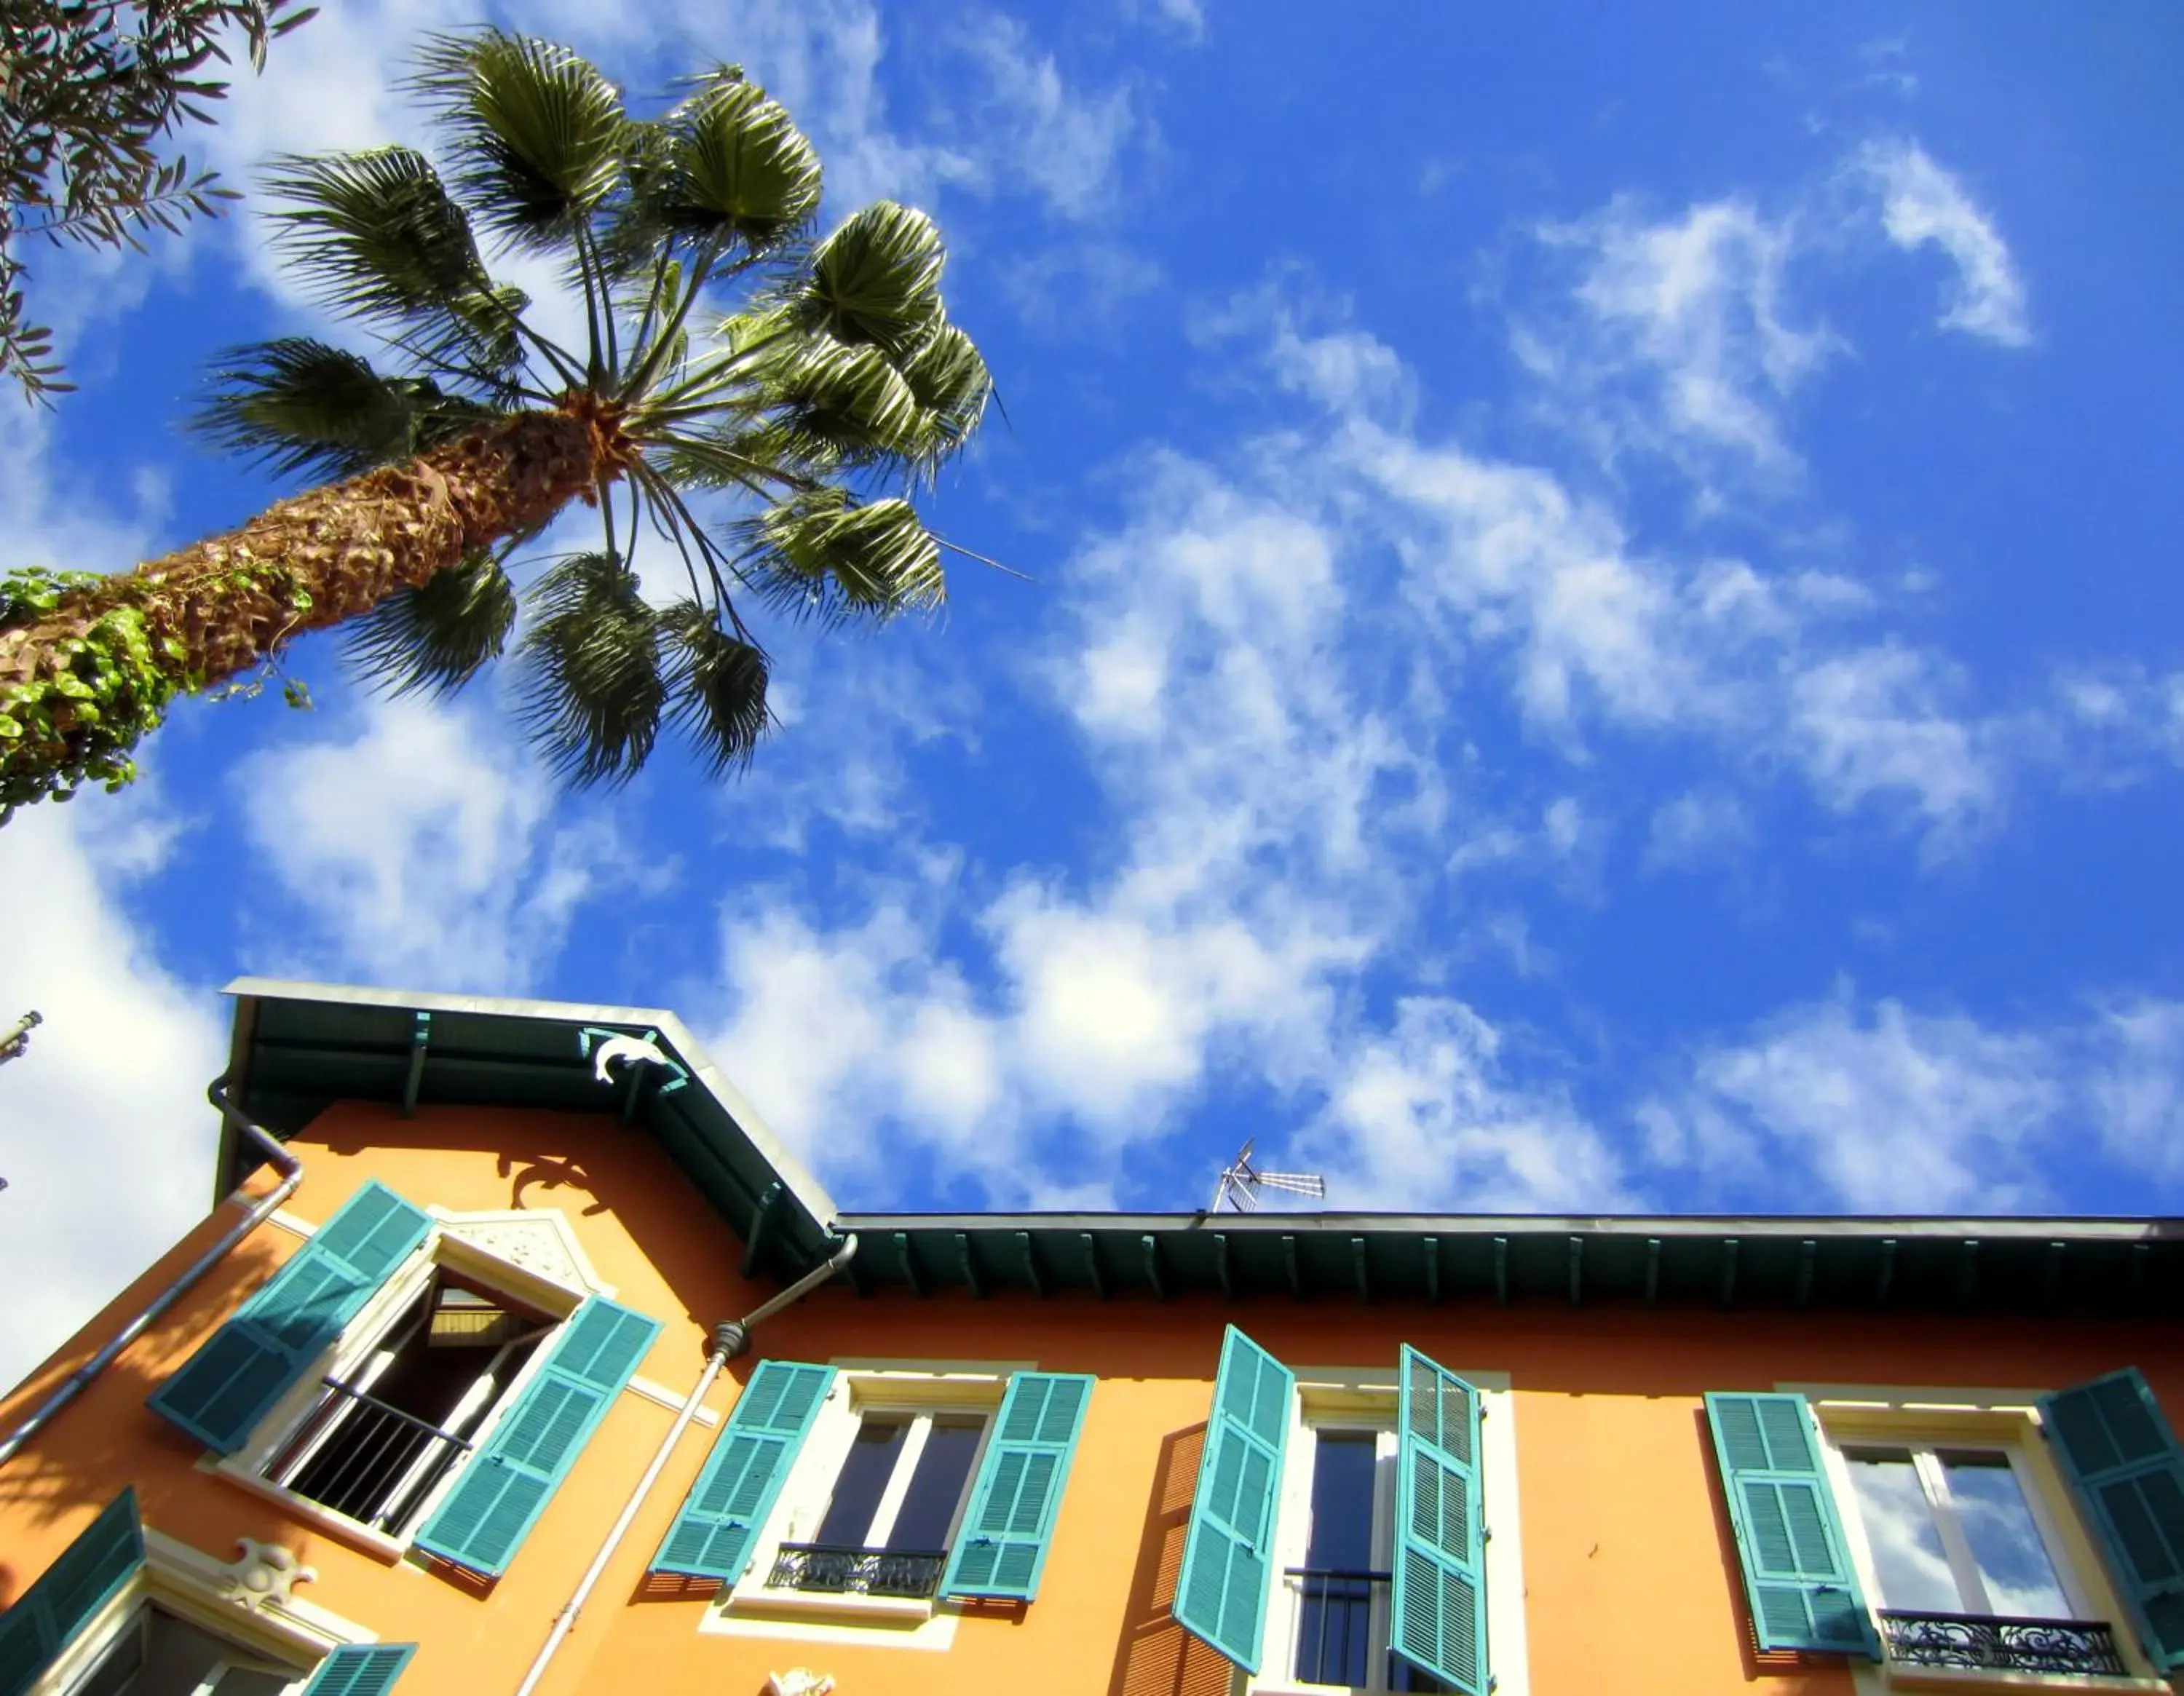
(413, 1383)
(892, 1510)
(156, 1654)
(1328, 1627)
(1970, 1551)
(1953, 1531)
(386, 1429)
(1339, 1597)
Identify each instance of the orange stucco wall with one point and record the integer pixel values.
(1629, 1576)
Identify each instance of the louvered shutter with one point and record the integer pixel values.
(1797, 1573)
(498, 1496)
(1002, 1547)
(224, 1389)
(1228, 1551)
(719, 1521)
(69, 1594)
(2123, 1460)
(1437, 1607)
(360, 1669)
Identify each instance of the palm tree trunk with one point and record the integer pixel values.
(221, 606)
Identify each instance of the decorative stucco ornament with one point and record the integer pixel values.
(264, 1576)
(627, 1050)
(800, 1680)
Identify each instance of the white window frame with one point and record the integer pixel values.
(919, 1391)
(457, 1243)
(1360, 1398)
(2007, 1420)
(197, 1589)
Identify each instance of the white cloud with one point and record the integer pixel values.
(112, 1081)
(1064, 143)
(1426, 1117)
(1871, 722)
(1923, 204)
(1679, 335)
(2136, 1063)
(1699, 827)
(1884, 1110)
(1184, 18)
(418, 848)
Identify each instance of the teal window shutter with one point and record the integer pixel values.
(224, 1389)
(1002, 1547)
(1797, 1571)
(360, 1669)
(1437, 1605)
(719, 1520)
(1228, 1551)
(45, 1618)
(498, 1496)
(2122, 1460)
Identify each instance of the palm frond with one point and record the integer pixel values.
(375, 233)
(948, 379)
(719, 682)
(435, 639)
(740, 168)
(536, 132)
(819, 556)
(876, 279)
(591, 691)
(301, 406)
(835, 404)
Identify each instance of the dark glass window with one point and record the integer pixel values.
(863, 1482)
(1335, 1621)
(937, 1486)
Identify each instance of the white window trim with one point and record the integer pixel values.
(862, 1385)
(190, 1585)
(1864, 1415)
(1365, 1397)
(446, 1243)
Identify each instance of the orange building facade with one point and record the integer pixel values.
(518, 1357)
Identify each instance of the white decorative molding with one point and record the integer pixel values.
(800, 1680)
(266, 1574)
(253, 1598)
(290, 1223)
(538, 1240)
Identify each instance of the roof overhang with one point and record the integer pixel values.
(300, 1047)
(297, 1048)
(2016, 1265)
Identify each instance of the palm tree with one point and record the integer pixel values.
(729, 363)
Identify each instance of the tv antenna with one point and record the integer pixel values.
(1241, 1183)
(19, 1036)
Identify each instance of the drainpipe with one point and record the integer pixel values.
(730, 1338)
(292, 1174)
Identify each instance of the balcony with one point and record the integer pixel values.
(365, 1458)
(830, 1569)
(1974, 1642)
(1341, 1631)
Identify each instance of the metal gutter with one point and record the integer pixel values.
(731, 1339)
(292, 1170)
(1875, 1228)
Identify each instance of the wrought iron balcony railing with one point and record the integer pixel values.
(911, 1572)
(362, 1457)
(2001, 1645)
(1334, 1630)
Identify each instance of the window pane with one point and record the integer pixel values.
(1907, 1557)
(1335, 1618)
(864, 1481)
(1990, 1506)
(936, 1488)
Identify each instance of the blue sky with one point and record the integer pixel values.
(1603, 637)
